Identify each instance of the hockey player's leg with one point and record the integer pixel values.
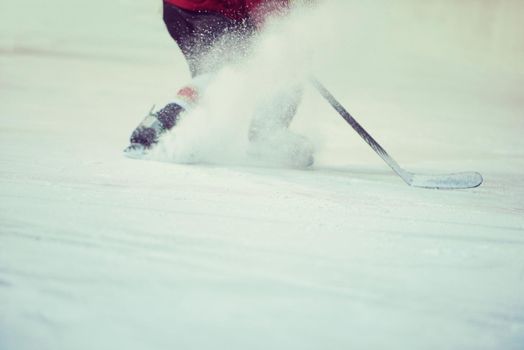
(208, 40)
(197, 34)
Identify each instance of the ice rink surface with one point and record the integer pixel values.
(98, 251)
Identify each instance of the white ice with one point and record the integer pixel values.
(98, 251)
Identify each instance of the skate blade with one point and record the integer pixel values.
(135, 151)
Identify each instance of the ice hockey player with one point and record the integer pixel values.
(198, 27)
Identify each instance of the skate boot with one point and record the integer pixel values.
(147, 133)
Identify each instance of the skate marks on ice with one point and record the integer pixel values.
(227, 237)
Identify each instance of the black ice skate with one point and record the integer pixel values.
(148, 132)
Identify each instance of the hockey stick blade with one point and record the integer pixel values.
(444, 181)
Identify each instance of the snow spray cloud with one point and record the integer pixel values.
(280, 59)
(375, 45)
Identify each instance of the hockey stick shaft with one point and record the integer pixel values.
(361, 131)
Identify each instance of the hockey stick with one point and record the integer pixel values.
(441, 181)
